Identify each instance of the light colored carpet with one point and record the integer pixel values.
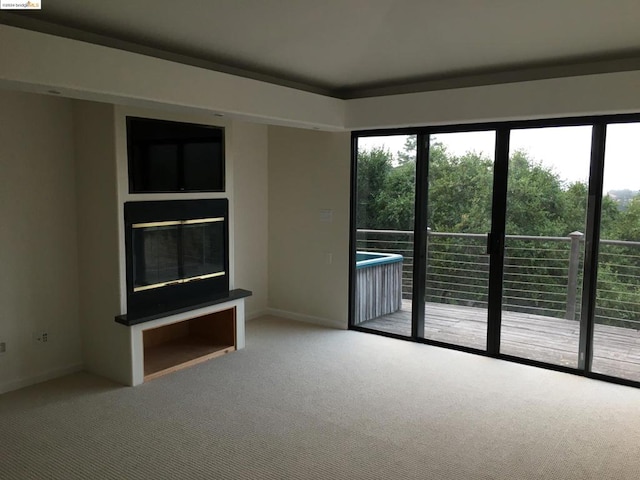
(312, 403)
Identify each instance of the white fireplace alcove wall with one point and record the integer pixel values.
(140, 346)
(111, 349)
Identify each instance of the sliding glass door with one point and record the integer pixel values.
(518, 239)
(548, 175)
(616, 337)
(460, 188)
(384, 216)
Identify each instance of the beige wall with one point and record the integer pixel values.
(251, 208)
(38, 246)
(106, 344)
(60, 175)
(308, 172)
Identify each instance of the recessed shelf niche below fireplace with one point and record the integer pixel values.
(180, 338)
(178, 345)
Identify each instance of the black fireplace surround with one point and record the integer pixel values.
(177, 255)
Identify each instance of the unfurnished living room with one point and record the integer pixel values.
(348, 239)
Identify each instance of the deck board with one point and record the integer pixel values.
(536, 337)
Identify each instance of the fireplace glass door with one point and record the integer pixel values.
(203, 248)
(172, 252)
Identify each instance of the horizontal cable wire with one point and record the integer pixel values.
(461, 267)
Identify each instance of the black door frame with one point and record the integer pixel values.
(496, 245)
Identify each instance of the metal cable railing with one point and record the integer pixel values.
(542, 275)
(458, 269)
(618, 290)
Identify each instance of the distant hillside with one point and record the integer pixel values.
(623, 197)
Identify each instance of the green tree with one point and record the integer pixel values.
(574, 216)
(408, 152)
(627, 225)
(610, 216)
(372, 171)
(459, 192)
(396, 202)
(535, 198)
(575, 208)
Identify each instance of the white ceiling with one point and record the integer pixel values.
(342, 46)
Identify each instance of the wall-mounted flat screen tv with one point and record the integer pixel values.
(174, 157)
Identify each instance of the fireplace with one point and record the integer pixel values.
(177, 254)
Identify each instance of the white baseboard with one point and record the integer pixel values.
(43, 377)
(300, 317)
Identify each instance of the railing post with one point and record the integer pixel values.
(572, 282)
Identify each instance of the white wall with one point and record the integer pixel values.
(245, 188)
(120, 155)
(102, 191)
(308, 172)
(251, 205)
(559, 97)
(63, 184)
(37, 61)
(106, 344)
(34, 61)
(38, 245)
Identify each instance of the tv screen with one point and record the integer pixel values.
(174, 157)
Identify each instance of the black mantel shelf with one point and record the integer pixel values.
(232, 295)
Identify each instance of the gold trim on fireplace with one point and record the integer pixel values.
(203, 220)
(176, 282)
(172, 223)
(156, 224)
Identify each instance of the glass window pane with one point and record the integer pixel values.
(385, 197)
(155, 255)
(616, 342)
(458, 219)
(544, 245)
(203, 249)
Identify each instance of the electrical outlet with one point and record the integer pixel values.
(40, 337)
(3, 347)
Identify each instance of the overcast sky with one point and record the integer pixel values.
(565, 149)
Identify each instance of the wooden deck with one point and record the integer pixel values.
(546, 339)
